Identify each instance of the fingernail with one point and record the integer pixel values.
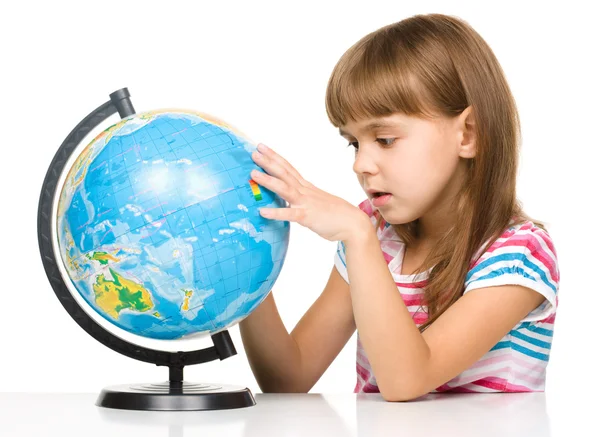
(262, 147)
(257, 155)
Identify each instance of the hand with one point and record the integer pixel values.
(329, 216)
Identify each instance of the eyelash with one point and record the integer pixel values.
(379, 140)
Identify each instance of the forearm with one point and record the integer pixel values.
(272, 352)
(396, 349)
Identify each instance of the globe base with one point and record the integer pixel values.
(169, 396)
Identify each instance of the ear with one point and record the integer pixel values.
(466, 131)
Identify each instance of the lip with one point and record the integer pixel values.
(380, 201)
(371, 192)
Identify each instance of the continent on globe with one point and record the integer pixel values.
(118, 294)
(186, 300)
(102, 257)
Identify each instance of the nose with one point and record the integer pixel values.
(365, 161)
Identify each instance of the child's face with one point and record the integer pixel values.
(416, 160)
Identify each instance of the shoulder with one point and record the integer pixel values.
(524, 241)
(523, 255)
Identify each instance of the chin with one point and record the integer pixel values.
(397, 217)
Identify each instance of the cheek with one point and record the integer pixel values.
(425, 171)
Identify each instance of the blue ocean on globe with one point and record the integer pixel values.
(158, 226)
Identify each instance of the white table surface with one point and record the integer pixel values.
(313, 415)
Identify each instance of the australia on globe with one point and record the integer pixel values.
(158, 226)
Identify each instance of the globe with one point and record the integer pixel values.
(158, 226)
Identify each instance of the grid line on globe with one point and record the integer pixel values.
(159, 227)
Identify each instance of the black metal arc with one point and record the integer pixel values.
(223, 345)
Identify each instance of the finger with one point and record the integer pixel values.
(275, 169)
(278, 186)
(286, 214)
(270, 153)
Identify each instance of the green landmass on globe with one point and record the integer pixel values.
(158, 228)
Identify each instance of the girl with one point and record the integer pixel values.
(451, 286)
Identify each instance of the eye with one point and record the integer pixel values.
(386, 141)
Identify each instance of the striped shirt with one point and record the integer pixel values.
(523, 255)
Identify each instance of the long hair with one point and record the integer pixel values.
(426, 66)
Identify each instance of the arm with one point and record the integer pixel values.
(406, 363)
(283, 362)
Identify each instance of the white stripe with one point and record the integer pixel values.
(529, 365)
(500, 370)
(480, 389)
(531, 347)
(362, 359)
(528, 382)
(340, 265)
(536, 335)
(474, 387)
(410, 291)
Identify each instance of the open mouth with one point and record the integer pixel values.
(379, 194)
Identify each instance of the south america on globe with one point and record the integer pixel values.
(158, 226)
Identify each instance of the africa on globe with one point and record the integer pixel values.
(158, 226)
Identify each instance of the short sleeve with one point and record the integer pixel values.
(340, 253)
(340, 261)
(525, 256)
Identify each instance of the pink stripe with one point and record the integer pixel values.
(497, 243)
(547, 240)
(366, 207)
(550, 319)
(447, 388)
(420, 317)
(516, 388)
(362, 372)
(370, 388)
(493, 383)
(501, 385)
(412, 300)
(412, 285)
(540, 254)
(387, 257)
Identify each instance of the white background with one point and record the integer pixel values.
(264, 67)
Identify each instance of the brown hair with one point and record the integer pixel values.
(426, 66)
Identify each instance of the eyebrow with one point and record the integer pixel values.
(370, 126)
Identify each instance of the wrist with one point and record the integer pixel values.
(361, 233)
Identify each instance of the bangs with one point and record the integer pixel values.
(375, 78)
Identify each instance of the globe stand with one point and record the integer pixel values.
(174, 394)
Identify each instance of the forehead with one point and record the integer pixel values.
(369, 124)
